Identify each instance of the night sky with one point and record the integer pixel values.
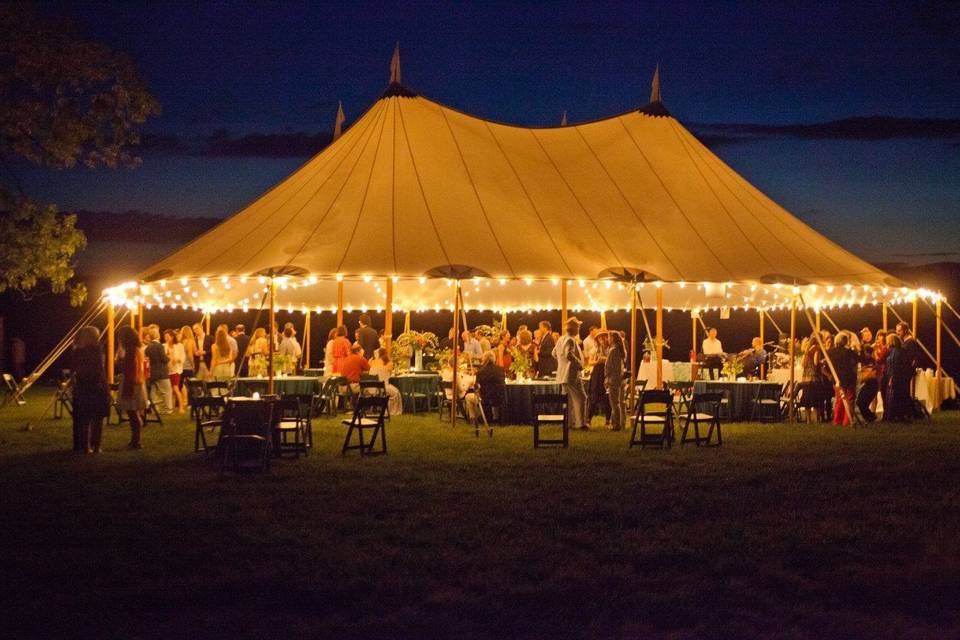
(231, 77)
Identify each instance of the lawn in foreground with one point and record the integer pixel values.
(787, 530)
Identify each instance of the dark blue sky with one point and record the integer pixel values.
(281, 67)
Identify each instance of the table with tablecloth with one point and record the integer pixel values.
(925, 387)
(416, 387)
(648, 371)
(519, 409)
(782, 376)
(313, 372)
(740, 394)
(282, 385)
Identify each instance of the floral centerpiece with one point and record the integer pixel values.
(521, 364)
(415, 344)
(650, 344)
(282, 363)
(732, 368)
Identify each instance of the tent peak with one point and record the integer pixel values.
(395, 65)
(655, 86)
(563, 119)
(397, 89)
(655, 106)
(338, 122)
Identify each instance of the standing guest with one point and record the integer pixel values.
(569, 365)
(204, 345)
(484, 344)
(161, 393)
(91, 394)
(900, 372)
(340, 349)
(367, 337)
(259, 345)
(289, 345)
(613, 370)
(880, 364)
(812, 394)
(869, 383)
(844, 362)
(189, 355)
(133, 390)
(381, 367)
(911, 351)
(175, 356)
(490, 379)
(712, 350)
(596, 388)
(328, 352)
(546, 363)
(234, 347)
(18, 353)
(526, 345)
(471, 346)
(353, 366)
(590, 343)
(243, 345)
(504, 359)
(223, 355)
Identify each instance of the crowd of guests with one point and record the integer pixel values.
(867, 366)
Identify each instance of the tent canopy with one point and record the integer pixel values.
(416, 190)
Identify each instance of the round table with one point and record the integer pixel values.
(285, 385)
(519, 408)
(740, 394)
(416, 386)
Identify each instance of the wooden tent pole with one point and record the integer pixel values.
(633, 345)
(139, 319)
(603, 320)
(790, 351)
(273, 331)
(693, 333)
(388, 316)
(763, 366)
(659, 337)
(563, 304)
(110, 344)
(454, 389)
(818, 320)
(339, 302)
(306, 340)
(503, 320)
(913, 325)
(406, 321)
(206, 321)
(885, 316)
(939, 375)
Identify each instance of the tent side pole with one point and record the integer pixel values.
(406, 321)
(913, 325)
(885, 316)
(633, 345)
(603, 320)
(503, 320)
(306, 340)
(273, 331)
(763, 366)
(110, 344)
(659, 337)
(694, 372)
(454, 389)
(140, 319)
(339, 303)
(206, 322)
(792, 364)
(563, 304)
(938, 392)
(388, 316)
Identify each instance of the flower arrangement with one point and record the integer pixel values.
(417, 340)
(732, 368)
(521, 364)
(650, 344)
(282, 363)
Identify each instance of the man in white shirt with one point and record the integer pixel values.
(569, 365)
(590, 344)
(471, 347)
(712, 352)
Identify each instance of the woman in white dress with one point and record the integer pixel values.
(328, 353)
(222, 358)
(381, 367)
(176, 355)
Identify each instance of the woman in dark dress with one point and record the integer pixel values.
(899, 370)
(546, 363)
(597, 391)
(91, 394)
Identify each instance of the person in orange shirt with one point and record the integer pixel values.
(340, 348)
(354, 365)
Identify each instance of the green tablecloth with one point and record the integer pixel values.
(287, 385)
(739, 394)
(417, 386)
(313, 373)
(519, 399)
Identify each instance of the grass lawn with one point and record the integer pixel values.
(786, 531)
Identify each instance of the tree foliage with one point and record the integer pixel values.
(64, 100)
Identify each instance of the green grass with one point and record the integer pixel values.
(787, 531)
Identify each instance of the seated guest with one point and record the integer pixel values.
(490, 377)
(381, 367)
(712, 351)
(465, 382)
(754, 358)
(353, 365)
(845, 362)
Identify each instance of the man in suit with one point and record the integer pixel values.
(367, 337)
(569, 365)
(203, 352)
(243, 341)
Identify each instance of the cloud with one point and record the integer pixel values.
(861, 128)
(926, 254)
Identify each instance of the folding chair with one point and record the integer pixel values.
(703, 408)
(307, 402)
(151, 413)
(115, 402)
(326, 402)
(13, 391)
(289, 420)
(204, 409)
(63, 400)
(767, 405)
(195, 389)
(344, 392)
(482, 415)
(550, 409)
(245, 439)
(373, 386)
(446, 395)
(368, 413)
(654, 408)
(682, 392)
(219, 388)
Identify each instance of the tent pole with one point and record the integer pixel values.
(693, 351)
(140, 319)
(306, 340)
(110, 343)
(659, 337)
(833, 324)
(454, 389)
(563, 304)
(913, 325)
(503, 320)
(885, 316)
(603, 320)
(818, 320)
(938, 392)
(633, 345)
(339, 303)
(388, 316)
(273, 331)
(406, 321)
(790, 351)
(206, 321)
(763, 366)
(945, 326)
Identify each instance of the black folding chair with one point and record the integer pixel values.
(682, 392)
(289, 421)
(344, 392)
(550, 410)
(245, 438)
(307, 402)
(219, 388)
(195, 389)
(12, 391)
(654, 409)
(326, 402)
(373, 386)
(703, 409)
(206, 411)
(446, 393)
(369, 413)
(767, 403)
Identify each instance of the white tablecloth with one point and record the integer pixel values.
(648, 371)
(925, 385)
(783, 375)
